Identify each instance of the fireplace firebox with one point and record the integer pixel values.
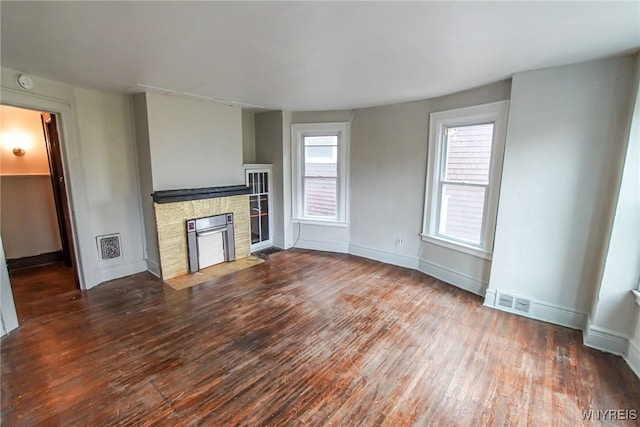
(210, 241)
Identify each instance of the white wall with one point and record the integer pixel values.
(108, 154)
(98, 155)
(145, 180)
(565, 140)
(194, 143)
(613, 310)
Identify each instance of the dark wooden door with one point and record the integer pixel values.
(52, 138)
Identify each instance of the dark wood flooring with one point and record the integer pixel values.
(306, 338)
(37, 289)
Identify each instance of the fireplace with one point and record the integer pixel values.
(175, 209)
(210, 241)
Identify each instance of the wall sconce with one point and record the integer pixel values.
(19, 151)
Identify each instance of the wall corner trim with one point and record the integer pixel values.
(153, 268)
(604, 339)
(633, 357)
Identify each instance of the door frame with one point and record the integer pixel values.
(86, 271)
(59, 187)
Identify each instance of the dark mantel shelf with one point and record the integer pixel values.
(172, 196)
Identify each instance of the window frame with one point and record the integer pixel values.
(298, 132)
(495, 113)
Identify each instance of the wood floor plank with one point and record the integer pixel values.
(306, 338)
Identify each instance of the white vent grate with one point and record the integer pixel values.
(505, 301)
(109, 246)
(522, 305)
(514, 303)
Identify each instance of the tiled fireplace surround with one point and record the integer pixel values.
(172, 212)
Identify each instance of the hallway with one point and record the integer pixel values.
(35, 288)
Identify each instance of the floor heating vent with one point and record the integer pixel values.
(109, 246)
(514, 303)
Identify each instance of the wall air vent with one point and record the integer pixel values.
(514, 304)
(522, 305)
(505, 301)
(109, 246)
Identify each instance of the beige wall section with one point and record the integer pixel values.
(29, 224)
(172, 236)
(23, 128)
(248, 137)
(567, 132)
(388, 168)
(269, 149)
(193, 143)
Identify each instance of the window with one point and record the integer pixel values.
(320, 168)
(466, 148)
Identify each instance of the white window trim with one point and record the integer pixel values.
(298, 132)
(496, 113)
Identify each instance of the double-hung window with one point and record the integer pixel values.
(466, 148)
(320, 172)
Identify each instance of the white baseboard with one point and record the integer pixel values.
(633, 357)
(319, 245)
(452, 277)
(121, 270)
(544, 311)
(559, 315)
(383, 256)
(490, 298)
(153, 268)
(604, 339)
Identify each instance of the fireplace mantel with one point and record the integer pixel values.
(185, 195)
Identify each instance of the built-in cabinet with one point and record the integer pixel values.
(258, 179)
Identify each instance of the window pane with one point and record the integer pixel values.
(321, 140)
(468, 153)
(320, 197)
(461, 211)
(316, 168)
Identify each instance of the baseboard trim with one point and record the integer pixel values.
(633, 357)
(383, 256)
(543, 311)
(153, 268)
(34, 261)
(121, 270)
(559, 315)
(319, 245)
(459, 280)
(604, 340)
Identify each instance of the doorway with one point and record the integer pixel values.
(35, 217)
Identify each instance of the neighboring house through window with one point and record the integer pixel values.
(466, 148)
(320, 163)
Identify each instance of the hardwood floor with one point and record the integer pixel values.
(37, 289)
(306, 338)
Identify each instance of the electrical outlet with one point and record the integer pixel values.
(399, 241)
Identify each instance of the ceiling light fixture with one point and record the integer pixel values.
(19, 151)
(195, 95)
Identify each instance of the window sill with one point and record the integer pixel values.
(458, 247)
(327, 223)
(637, 294)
